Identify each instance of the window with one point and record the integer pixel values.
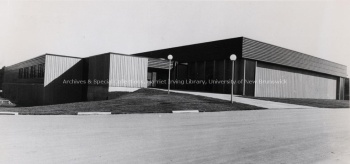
(26, 73)
(41, 70)
(20, 73)
(33, 72)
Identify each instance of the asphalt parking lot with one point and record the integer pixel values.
(261, 136)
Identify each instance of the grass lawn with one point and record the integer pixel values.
(320, 103)
(141, 101)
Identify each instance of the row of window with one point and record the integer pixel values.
(36, 71)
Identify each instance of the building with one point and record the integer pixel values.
(261, 70)
(111, 73)
(54, 79)
(38, 81)
(2, 70)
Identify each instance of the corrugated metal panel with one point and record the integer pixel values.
(273, 54)
(98, 68)
(11, 72)
(1, 77)
(159, 63)
(127, 71)
(341, 88)
(297, 85)
(24, 94)
(55, 66)
(219, 71)
(346, 90)
(250, 68)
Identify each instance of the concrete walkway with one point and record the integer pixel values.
(236, 98)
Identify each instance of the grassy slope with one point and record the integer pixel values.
(320, 103)
(141, 101)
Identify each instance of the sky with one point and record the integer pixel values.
(84, 28)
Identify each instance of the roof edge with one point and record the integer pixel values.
(297, 52)
(189, 45)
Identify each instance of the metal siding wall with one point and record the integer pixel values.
(24, 94)
(209, 75)
(191, 70)
(341, 88)
(98, 70)
(297, 86)
(200, 75)
(219, 75)
(228, 75)
(250, 77)
(1, 78)
(11, 72)
(98, 67)
(239, 76)
(181, 74)
(56, 65)
(273, 54)
(346, 90)
(58, 69)
(128, 71)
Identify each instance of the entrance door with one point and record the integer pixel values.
(151, 79)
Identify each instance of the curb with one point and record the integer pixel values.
(185, 111)
(8, 113)
(94, 113)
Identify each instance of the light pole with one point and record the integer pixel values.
(233, 57)
(170, 57)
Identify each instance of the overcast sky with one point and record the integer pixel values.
(32, 28)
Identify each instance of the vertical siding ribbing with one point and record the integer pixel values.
(244, 64)
(297, 86)
(55, 66)
(256, 65)
(127, 71)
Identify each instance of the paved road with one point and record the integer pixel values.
(263, 136)
(237, 98)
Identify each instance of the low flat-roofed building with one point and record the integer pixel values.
(54, 79)
(261, 70)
